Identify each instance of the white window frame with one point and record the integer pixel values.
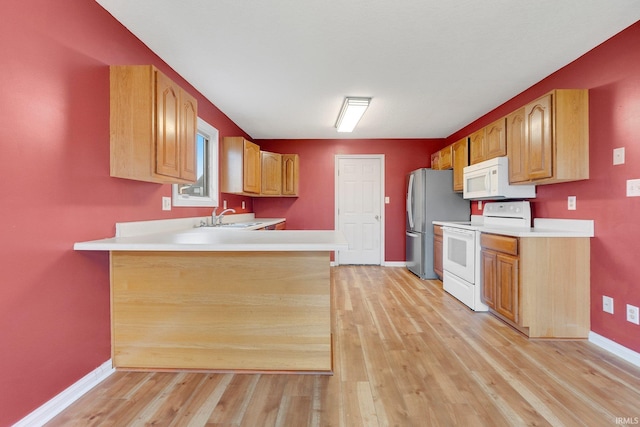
(212, 200)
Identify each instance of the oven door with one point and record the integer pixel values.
(459, 252)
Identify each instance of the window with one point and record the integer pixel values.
(203, 192)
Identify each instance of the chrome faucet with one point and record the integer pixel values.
(217, 219)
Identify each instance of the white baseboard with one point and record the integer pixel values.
(615, 348)
(394, 264)
(384, 264)
(60, 402)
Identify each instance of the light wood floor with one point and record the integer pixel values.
(406, 354)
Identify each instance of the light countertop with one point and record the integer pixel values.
(222, 239)
(542, 227)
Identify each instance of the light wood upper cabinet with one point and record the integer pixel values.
(252, 168)
(441, 160)
(240, 166)
(460, 159)
(555, 146)
(153, 126)
(290, 174)
(476, 147)
(444, 161)
(246, 170)
(435, 161)
(488, 142)
(516, 145)
(495, 139)
(271, 173)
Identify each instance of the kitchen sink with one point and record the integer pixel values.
(239, 225)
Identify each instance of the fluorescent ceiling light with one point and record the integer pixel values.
(351, 112)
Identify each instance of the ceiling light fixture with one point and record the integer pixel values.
(351, 112)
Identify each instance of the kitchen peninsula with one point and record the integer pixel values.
(221, 299)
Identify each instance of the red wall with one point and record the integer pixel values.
(54, 158)
(54, 161)
(315, 206)
(611, 72)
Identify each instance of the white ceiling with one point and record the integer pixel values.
(281, 68)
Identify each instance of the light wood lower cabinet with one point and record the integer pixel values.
(259, 311)
(501, 285)
(539, 285)
(279, 226)
(437, 250)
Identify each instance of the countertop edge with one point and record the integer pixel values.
(218, 241)
(543, 227)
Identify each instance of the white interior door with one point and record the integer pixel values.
(359, 207)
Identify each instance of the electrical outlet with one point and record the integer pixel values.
(224, 204)
(571, 203)
(479, 205)
(166, 203)
(632, 314)
(244, 206)
(607, 304)
(618, 156)
(633, 188)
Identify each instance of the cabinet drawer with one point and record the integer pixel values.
(499, 243)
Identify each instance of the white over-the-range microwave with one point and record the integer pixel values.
(490, 180)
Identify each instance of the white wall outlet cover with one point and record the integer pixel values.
(387, 200)
(607, 304)
(633, 315)
(571, 203)
(618, 156)
(479, 205)
(633, 188)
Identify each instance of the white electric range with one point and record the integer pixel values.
(462, 276)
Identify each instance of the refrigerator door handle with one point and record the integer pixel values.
(410, 202)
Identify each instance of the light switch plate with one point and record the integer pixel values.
(607, 304)
(166, 203)
(571, 203)
(618, 156)
(387, 200)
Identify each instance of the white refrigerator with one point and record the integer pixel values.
(430, 197)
